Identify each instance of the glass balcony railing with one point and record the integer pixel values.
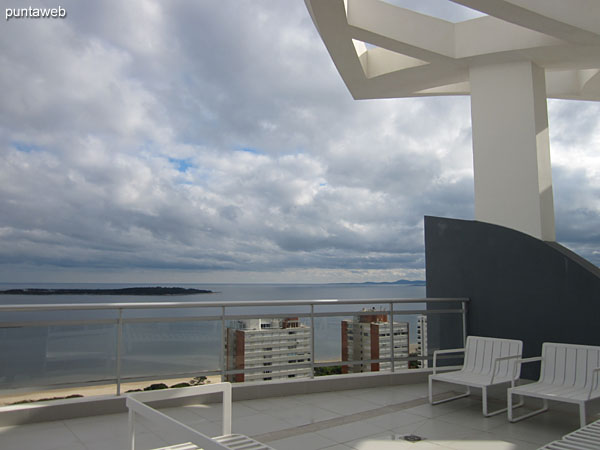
(62, 345)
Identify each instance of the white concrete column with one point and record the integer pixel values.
(511, 149)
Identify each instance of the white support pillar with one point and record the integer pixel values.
(511, 151)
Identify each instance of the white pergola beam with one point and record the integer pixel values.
(330, 19)
(523, 30)
(381, 19)
(509, 62)
(487, 30)
(573, 21)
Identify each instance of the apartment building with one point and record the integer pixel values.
(269, 349)
(367, 337)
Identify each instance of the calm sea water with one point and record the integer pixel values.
(45, 355)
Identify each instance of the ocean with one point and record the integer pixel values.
(59, 354)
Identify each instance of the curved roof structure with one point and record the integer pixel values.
(386, 51)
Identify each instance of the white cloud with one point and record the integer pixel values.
(183, 141)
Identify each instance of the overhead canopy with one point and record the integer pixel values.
(385, 51)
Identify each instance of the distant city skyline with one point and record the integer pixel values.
(198, 142)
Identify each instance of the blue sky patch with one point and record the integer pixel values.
(250, 150)
(182, 165)
(25, 147)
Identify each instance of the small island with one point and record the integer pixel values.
(156, 290)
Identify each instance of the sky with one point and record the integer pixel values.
(214, 141)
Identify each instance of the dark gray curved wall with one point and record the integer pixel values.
(519, 287)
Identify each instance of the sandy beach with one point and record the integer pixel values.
(8, 398)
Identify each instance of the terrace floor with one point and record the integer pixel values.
(373, 419)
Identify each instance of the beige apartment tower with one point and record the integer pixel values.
(269, 349)
(367, 337)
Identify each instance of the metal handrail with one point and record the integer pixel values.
(120, 320)
(227, 304)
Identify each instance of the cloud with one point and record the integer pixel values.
(182, 140)
(575, 140)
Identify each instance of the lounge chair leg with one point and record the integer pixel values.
(513, 419)
(430, 391)
(498, 411)
(456, 397)
(466, 394)
(510, 407)
(485, 405)
(582, 415)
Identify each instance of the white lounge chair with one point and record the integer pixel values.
(189, 438)
(487, 362)
(586, 438)
(568, 373)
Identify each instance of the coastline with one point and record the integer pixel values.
(138, 291)
(91, 391)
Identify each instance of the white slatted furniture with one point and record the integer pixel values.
(190, 439)
(584, 438)
(487, 362)
(568, 373)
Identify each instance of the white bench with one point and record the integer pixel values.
(487, 362)
(568, 373)
(189, 438)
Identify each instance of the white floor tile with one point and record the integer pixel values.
(308, 441)
(258, 424)
(412, 390)
(540, 429)
(395, 420)
(350, 431)
(303, 415)
(239, 410)
(348, 405)
(46, 436)
(183, 414)
(270, 404)
(385, 397)
(488, 442)
(338, 447)
(99, 427)
(434, 429)
(143, 441)
(433, 411)
(214, 411)
(386, 443)
(74, 446)
(210, 412)
(474, 418)
(172, 435)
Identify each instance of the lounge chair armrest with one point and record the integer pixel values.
(440, 352)
(523, 361)
(184, 432)
(528, 360)
(450, 350)
(167, 394)
(504, 358)
(594, 383)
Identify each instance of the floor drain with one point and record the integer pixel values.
(413, 438)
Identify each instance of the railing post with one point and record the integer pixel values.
(312, 340)
(119, 339)
(392, 334)
(223, 343)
